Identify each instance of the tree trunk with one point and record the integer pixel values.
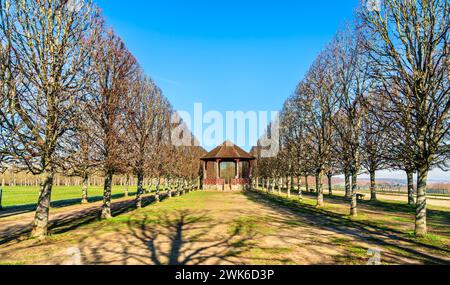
(140, 190)
(169, 188)
(319, 187)
(330, 184)
(300, 193)
(158, 185)
(40, 224)
(373, 189)
(354, 202)
(127, 185)
(150, 186)
(292, 184)
(280, 186)
(307, 183)
(421, 206)
(84, 195)
(348, 189)
(289, 183)
(106, 210)
(178, 188)
(410, 176)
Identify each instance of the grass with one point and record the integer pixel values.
(28, 195)
(391, 215)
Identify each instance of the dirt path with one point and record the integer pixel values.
(223, 228)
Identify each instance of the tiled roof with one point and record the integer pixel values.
(228, 150)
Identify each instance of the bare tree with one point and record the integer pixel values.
(319, 96)
(48, 49)
(115, 71)
(374, 146)
(81, 157)
(409, 48)
(351, 69)
(145, 126)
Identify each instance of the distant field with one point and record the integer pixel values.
(26, 195)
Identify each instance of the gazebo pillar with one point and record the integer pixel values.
(205, 172)
(218, 168)
(238, 172)
(218, 173)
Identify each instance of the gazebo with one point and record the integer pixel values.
(227, 167)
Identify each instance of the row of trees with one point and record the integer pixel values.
(376, 98)
(74, 100)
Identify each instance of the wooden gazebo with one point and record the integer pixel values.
(227, 167)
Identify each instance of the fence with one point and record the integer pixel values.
(396, 189)
(1, 195)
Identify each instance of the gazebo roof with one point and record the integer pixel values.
(228, 150)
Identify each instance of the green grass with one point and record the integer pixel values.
(21, 196)
(390, 216)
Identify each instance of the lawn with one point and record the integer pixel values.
(382, 214)
(28, 195)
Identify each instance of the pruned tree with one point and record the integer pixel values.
(46, 76)
(374, 146)
(145, 126)
(318, 92)
(351, 70)
(82, 157)
(114, 69)
(408, 43)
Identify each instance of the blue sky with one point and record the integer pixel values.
(230, 55)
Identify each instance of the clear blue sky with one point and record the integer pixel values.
(230, 55)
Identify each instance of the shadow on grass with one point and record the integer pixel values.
(181, 237)
(22, 209)
(437, 218)
(382, 236)
(65, 222)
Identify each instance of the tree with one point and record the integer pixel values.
(319, 96)
(82, 156)
(46, 76)
(145, 127)
(409, 49)
(351, 69)
(374, 146)
(114, 68)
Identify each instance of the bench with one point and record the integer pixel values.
(360, 197)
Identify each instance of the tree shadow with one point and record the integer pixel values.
(71, 220)
(365, 231)
(23, 209)
(180, 237)
(438, 219)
